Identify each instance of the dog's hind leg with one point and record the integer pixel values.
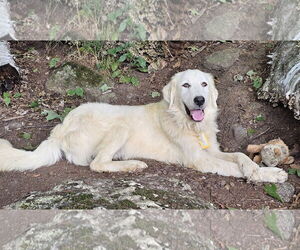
(108, 148)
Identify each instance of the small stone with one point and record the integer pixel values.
(285, 191)
(227, 187)
(223, 183)
(239, 132)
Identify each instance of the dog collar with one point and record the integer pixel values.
(203, 140)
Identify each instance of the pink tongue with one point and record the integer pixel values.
(197, 115)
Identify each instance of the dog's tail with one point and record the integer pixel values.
(46, 154)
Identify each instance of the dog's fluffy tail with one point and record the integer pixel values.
(46, 154)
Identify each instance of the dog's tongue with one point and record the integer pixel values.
(197, 115)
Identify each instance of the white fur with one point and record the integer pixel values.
(95, 134)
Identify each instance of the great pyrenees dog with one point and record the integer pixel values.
(180, 129)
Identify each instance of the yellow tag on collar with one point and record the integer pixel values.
(203, 141)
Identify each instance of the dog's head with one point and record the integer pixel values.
(193, 92)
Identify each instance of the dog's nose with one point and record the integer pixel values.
(199, 100)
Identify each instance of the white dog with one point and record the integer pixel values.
(180, 129)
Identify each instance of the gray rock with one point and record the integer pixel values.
(150, 191)
(285, 191)
(239, 133)
(223, 26)
(285, 222)
(115, 230)
(223, 58)
(72, 75)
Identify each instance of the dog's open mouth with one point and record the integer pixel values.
(196, 115)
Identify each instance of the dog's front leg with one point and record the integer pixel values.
(206, 163)
(251, 170)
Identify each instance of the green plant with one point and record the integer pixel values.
(34, 104)
(294, 171)
(105, 88)
(251, 131)
(17, 95)
(26, 136)
(76, 92)
(7, 98)
(53, 62)
(155, 94)
(270, 220)
(259, 118)
(257, 81)
(52, 115)
(271, 190)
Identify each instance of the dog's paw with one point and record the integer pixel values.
(269, 174)
(136, 165)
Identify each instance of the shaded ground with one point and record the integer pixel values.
(237, 102)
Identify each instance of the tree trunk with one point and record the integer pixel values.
(286, 21)
(7, 31)
(283, 84)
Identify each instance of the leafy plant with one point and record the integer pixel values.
(251, 131)
(76, 92)
(17, 95)
(271, 190)
(259, 118)
(7, 98)
(270, 220)
(105, 88)
(34, 104)
(53, 62)
(51, 115)
(257, 81)
(294, 171)
(155, 94)
(26, 136)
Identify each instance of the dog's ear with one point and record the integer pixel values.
(213, 91)
(169, 92)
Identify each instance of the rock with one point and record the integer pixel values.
(285, 191)
(273, 154)
(239, 133)
(149, 191)
(104, 229)
(223, 59)
(223, 26)
(72, 75)
(285, 223)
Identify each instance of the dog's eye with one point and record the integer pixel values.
(204, 84)
(186, 85)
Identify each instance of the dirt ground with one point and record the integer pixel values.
(237, 102)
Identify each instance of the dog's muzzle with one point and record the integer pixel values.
(196, 115)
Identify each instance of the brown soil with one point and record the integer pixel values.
(237, 102)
